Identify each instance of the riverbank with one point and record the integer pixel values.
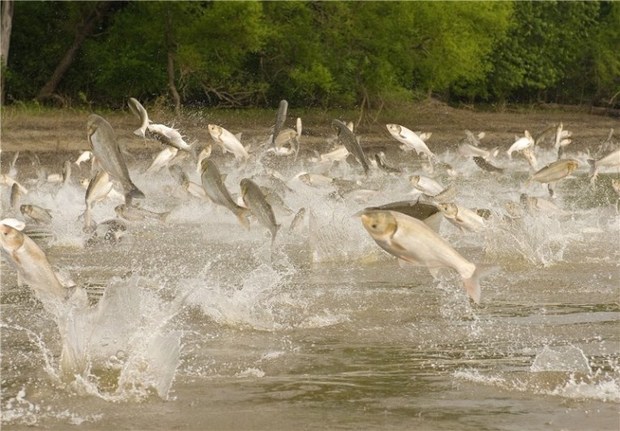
(60, 130)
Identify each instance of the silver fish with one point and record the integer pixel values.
(98, 189)
(411, 140)
(32, 265)
(381, 162)
(218, 193)
(610, 160)
(137, 108)
(280, 120)
(461, 217)
(426, 185)
(484, 165)
(36, 213)
(529, 155)
(555, 171)
(162, 159)
(255, 200)
(429, 214)
(228, 141)
(133, 213)
(106, 149)
(170, 136)
(412, 241)
(351, 143)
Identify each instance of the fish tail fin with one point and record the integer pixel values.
(472, 284)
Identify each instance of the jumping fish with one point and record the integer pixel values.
(561, 137)
(520, 144)
(36, 213)
(280, 120)
(255, 200)
(554, 172)
(426, 185)
(218, 193)
(529, 155)
(182, 179)
(315, 180)
(382, 163)
(170, 136)
(486, 166)
(288, 137)
(461, 217)
(411, 240)
(31, 264)
(133, 213)
(410, 139)
(137, 108)
(351, 143)
(107, 151)
(228, 141)
(98, 189)
(428, 213)
(610, 160)
(162, 159)
(468, 150)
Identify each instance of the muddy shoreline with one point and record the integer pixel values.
(64, 130)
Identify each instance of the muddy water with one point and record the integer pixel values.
(202, 325)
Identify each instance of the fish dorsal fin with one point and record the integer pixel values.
(14, 223)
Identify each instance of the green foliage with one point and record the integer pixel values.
(345, 54)
(546, 40)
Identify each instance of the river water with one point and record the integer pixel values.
(203, 325)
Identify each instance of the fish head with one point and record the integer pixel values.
(11, 239)
(381, 225)
(449, 209)
(214, 130)
(393, 128)
(25, 209)
(571, 165)
(93, 124)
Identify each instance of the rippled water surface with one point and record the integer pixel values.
(203, 325)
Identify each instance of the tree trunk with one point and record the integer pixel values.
(84, 30)
(5, 40)
(176, 97)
